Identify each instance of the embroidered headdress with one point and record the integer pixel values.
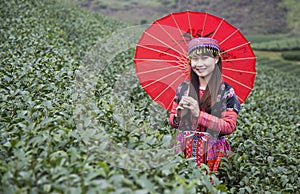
(198, 45)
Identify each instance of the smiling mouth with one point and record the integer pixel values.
(200, 69)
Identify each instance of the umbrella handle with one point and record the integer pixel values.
(188, 90)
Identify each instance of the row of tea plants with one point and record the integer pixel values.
(52, 144)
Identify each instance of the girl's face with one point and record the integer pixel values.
(203, 64)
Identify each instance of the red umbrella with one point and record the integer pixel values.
(161, 54)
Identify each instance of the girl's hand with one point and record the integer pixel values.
(180, 111)
(188, 103)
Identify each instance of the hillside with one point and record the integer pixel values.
(252, 17)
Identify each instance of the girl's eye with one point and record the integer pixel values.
(202, 57)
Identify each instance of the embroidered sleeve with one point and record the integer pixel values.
(232, 102)
(224, 125)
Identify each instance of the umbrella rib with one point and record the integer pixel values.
(228, 37)
(162, 42)
(178, 27)
(160, 79)
(239, 59)
(157, 60)
(170, 104)
(180, 63)
(162, 52)
(217, 29)
(236, 70)
(171, 37)
(237, 82)
(235, 47)
(240, 99)
(166, 88)
(154, 70)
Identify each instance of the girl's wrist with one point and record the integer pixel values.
(196, 113)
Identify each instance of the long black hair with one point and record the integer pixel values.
(209, 97)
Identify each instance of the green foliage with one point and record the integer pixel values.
(282, 66)
(267, 143)
(42, 149)
(291, 55)
(45, 148)
(259, 38)
(278, 45)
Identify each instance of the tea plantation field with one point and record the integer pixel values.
(74, 118)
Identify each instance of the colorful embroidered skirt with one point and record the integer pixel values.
(205, 148)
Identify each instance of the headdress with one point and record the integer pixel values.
(199, 44)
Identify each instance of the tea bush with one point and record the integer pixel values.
(259, 38)
(278, 45)
(280, 65)
(49, 145)
(291, 55)
(266, 142)
(43, 150)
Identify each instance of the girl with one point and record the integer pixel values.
(205, 109)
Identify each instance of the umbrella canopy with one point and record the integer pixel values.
(161, 54)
